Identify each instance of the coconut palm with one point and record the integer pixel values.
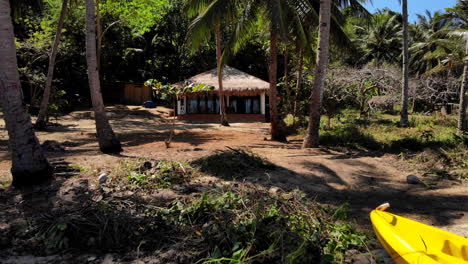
(209, 17)
(462, 126)
(312, 137)
(41, 118)
(108, 142)
(380, 40)
(276, 16)
(430, 43)
(29, 165)
(311, 140)
(462, 120)
(272, 14)
(404, 86)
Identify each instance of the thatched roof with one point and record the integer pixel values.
(235, 82)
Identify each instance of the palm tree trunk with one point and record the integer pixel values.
(29, 165)
(298, 83)
(41, 118)
(404, 88)
(99, 36)
(108, 142)
(462, 122)
(277, 132)
(311, 140)
(286, 79)
(224, 121)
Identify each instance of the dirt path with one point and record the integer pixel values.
(365, 182)
(333, 178)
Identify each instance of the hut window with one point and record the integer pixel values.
(203, 107)
(234, 105)
(193, 105)
(248, 105)
(217, 105)
(256, 105)
(210, 104)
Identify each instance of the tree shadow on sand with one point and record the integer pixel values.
(325, 186)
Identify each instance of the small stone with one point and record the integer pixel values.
(91, 241)
(413, 179)
(108, 259)
(18, 198)
(273, 190)
(361, 259)
(102, 178)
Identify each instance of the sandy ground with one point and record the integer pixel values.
(362, 180)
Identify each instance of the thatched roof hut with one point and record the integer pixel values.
(235, 82)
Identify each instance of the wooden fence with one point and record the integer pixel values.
(126, 93)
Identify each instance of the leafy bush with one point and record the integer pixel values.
(232, 224)
(253, 226)
(163, 175)
(349, 137)
(232, 162)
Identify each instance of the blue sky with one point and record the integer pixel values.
(414, 6)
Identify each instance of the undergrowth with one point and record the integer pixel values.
(232, 162)
(434, 134)
(235, 223)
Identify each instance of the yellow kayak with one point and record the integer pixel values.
(410, 242)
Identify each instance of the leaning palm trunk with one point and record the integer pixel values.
(311, 139)
(29, 165)
(404, 84)
(287, 88)
(42, 117)
(462, 122)
(277, 132)
(300, 67)
(224, 121)
(108, 142)
(99, 36)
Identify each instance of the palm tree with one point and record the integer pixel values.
(404, 88)
(41, 118)
(277, 14)
(379, 40)
(462, 120)
(462, 126)
(210, 14)
(326, 13)
(108, 142)
(430, 43)
(29, 165)
(273, 14)
(311, 140)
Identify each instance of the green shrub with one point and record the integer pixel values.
(349, 137)
(232, 162)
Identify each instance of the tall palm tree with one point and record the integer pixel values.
(219, 65)
(404, 85)
(379, 40)
(210, 14)
(311, 140)
(277, 15)
(108, 142)
(272, 13)
(462, 120)
(41, 118)
(327, 16)
(29, 165)
(430, 43)
(462, 126)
